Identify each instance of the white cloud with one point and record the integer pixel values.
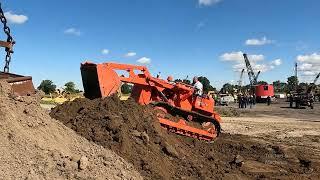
(255, 67)
(73, 31)
(276, 62)
(239, 67)
(305, 67)
(256, 61)
(311, 58)
(238, 56)
(309, 64)
(105, 51)
(130, 54)
(259, 42)
(15, 18)
(144, 60)
(309, 73)
(208, 2)
(262, 67)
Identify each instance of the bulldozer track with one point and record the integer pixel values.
(184, 113)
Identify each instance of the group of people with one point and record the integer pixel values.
(246, 101)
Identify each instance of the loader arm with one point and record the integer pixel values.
(107, 81)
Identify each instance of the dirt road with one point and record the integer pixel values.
(295, 130)
(276, 121)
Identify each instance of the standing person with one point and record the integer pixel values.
(291, 100)
(250, 101)
(245, 101)
(268, 100)
(248, 98)
(198, 87)
(239, 100)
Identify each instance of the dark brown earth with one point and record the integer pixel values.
(132, 131)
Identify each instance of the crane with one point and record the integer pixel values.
(316, 79)
(261, 91)
(241, 78)
(252, 77)
(312, 85)
(258, 75)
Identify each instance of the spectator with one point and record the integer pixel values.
(239, 100)
(245, 101)
(251, 101)
(268, 100)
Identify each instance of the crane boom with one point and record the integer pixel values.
(241, 78)
(256, 78)
(313, 85)
(252, 76)
(316, 79)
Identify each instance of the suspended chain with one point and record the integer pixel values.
(6, 30)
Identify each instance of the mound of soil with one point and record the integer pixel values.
(35, 146)
(133, 132)
(227, 111)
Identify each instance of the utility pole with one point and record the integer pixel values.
(296, 76)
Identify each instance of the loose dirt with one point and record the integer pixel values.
(35, 146)
(133, 132)
(227, 111)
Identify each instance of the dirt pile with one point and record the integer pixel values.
(35, 146)
(227, 111)
(132, 131)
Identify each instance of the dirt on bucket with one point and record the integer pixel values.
(133, 132)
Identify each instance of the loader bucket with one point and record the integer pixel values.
(21, 85)
(99, 80)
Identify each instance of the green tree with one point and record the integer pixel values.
(185, 81)
(70, 87)
(280, 86)
(262, 82)
(227, 88)
(292, 83)
(303, 87)
(276, 85)
(206, 84)
(47, 86)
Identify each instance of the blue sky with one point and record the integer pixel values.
(175, 37)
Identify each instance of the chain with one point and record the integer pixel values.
(6, 30)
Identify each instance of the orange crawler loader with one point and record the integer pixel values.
(177, 99)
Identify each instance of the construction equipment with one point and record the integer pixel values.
(252, 77)
(241, 78)
(261, 91)
(303, 98)
(174, 98)
(312, 86)
(21, 85)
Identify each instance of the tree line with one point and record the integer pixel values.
(48, 87)
(290, 85)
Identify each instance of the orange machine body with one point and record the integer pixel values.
(102, 80)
